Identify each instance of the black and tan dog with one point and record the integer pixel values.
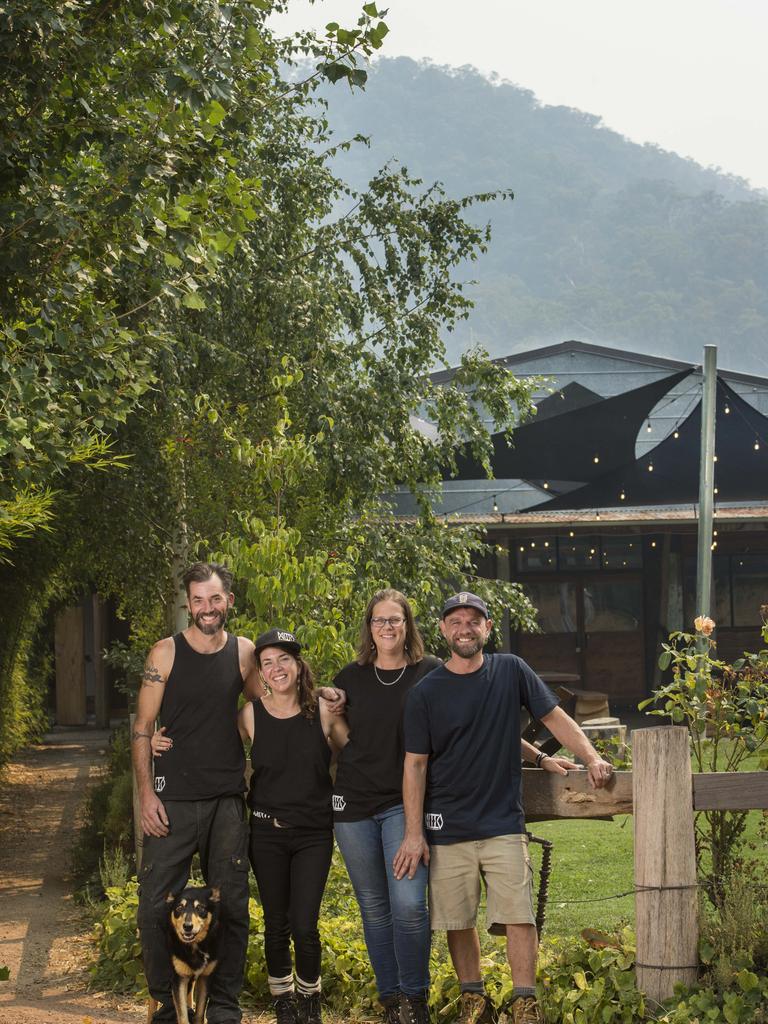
(192, 937)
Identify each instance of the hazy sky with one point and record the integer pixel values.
(690, 75)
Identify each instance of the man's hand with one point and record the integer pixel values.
(154, 820)
(600, 772)
(411, 852)
(335, 698)
(556, 765)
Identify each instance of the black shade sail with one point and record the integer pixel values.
(669, 473)
(565, 447)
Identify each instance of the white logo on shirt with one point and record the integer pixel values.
(433, 821)
(159, 783)
(339, 803)
(261, 814)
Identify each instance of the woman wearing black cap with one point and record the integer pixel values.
(291, 842)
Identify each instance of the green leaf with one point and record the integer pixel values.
(216, 113)
(193, 300)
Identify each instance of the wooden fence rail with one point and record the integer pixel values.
(663, 795)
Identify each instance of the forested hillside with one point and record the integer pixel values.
(606, 240)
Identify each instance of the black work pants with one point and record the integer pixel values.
(291, 867)
(217, 830)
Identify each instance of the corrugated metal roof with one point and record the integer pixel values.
(656, 516)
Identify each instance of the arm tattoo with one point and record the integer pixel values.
(141, 735)
(151, 675)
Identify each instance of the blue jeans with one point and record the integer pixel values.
(395, 915)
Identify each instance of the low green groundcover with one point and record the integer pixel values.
(578, 984)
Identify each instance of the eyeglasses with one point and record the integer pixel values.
(394, 620)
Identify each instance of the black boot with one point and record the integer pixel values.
(391, 1006)
(286, 1011)
(309, 1009)
(413, 1010)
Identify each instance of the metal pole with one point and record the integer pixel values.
(706, 482)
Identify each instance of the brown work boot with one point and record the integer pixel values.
(523, 1010)
(474, 1008)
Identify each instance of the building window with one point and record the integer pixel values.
(577, 552)
(740, 584)
(749, 581)
(621, 552)
(536, 554)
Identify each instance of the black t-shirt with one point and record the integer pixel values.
(199, 710)
(291, 779)
(369, 778)
(470, 727)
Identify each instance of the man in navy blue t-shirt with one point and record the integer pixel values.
(462, 785)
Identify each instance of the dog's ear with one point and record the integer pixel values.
(170, 898)
(215, 896)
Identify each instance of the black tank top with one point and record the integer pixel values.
(291, 761)
(199, 710)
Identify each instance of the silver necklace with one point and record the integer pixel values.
(391, 681)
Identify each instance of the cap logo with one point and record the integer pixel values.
(286, 636)
(463, 598)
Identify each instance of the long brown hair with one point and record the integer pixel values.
(305, 682)
(414, 645)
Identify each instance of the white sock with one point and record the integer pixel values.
(280, 986)
(307, 988)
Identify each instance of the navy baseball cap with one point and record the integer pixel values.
(465, 600)
(278, 638)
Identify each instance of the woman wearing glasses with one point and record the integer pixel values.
(368, 803)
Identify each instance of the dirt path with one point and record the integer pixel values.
(43, 933)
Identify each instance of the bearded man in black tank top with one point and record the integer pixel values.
(192, 681)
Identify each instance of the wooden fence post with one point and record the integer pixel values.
(666, 900)
(138, 831)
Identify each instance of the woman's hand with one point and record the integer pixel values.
(160, 742)
(334, 698)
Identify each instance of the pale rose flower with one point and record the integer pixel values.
(704, 625)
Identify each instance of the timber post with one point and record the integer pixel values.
(138, 831)
(666, 898)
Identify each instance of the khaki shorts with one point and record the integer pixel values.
(455, 870)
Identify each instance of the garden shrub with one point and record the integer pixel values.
(106, 835)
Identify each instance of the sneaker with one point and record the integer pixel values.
(309, 1008)
(286, 1011)
(474, 1008)
(391, 1006)
(413, 1010)
(524, 1010)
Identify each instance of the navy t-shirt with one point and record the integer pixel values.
(469, 725)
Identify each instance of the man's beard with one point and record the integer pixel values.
(209, 628)
(467, 650)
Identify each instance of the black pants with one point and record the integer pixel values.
(218, 831)
(291, 867)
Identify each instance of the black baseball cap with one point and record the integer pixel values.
(465, 600)
(278, 638)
